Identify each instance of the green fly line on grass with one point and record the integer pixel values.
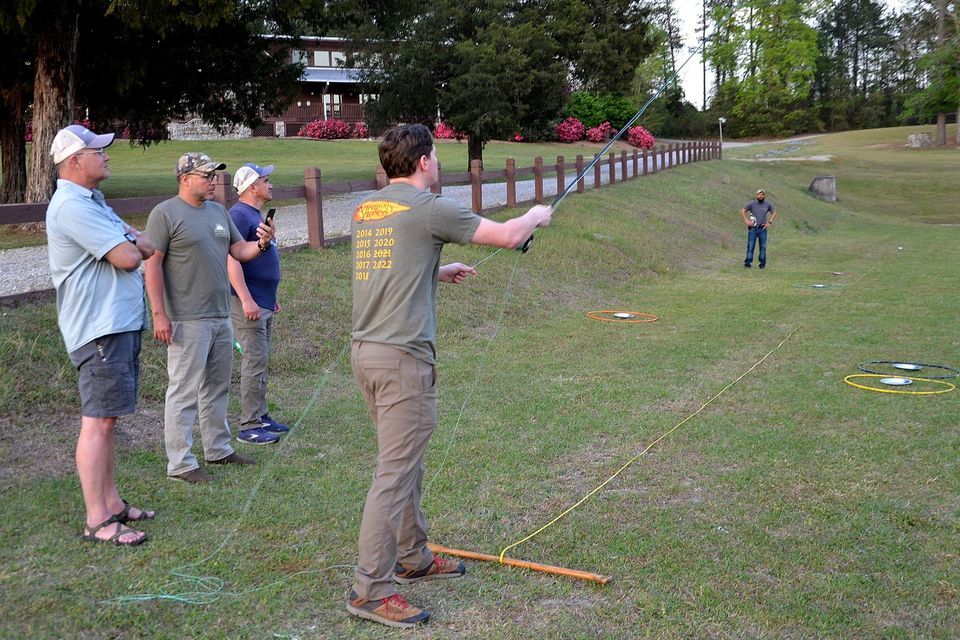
(190, 588)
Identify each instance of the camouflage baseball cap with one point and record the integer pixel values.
(196, 161)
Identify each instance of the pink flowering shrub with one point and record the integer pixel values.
(570, 130)
(325, 130)
(518, 137)
(599, 133)
(640, 137)
(360, 130)
(446, 132)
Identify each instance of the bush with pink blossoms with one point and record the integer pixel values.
(518, 137)
(640, 137)
(325, 130)
(446, 132)
(360, 130)
(570, 130)
(600, 133)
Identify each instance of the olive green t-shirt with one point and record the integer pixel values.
(398, 234)
(195, 242)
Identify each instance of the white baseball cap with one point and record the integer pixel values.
(248, 174)
(75, 138)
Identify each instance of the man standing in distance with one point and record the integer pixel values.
(94, 264)
(398, 234)
(757, 214)
(253, 305)
(189, 296)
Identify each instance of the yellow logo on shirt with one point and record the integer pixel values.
(378, 210)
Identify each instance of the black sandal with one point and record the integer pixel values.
(124, 516)
(90, 533)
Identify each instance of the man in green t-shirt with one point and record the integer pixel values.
(186, 281)
(398, 234)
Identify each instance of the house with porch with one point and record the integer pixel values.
(328, 89)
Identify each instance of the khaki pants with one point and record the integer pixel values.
(401, 395)
(254, 338)
(198, 365)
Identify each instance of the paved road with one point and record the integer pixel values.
(26, 270)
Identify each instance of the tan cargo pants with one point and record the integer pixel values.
(401, 395)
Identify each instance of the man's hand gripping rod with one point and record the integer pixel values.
(556, 201)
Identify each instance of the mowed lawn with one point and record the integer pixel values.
(792, 506)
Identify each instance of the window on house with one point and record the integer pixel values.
(337, 59)
(298, 56)
(321, 58)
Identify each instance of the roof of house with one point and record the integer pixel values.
(330, 74)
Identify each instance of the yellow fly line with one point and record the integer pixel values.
(949, 387)
(503, 551)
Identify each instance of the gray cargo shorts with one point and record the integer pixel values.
(109, 369)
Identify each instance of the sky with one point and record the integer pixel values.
(691, 76)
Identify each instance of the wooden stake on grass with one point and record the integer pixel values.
(523, 564)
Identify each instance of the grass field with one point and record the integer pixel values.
(792, 506)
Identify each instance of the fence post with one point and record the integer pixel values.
(313, 188)
(581, 183)
(663, 157)
(623, 166)
(596, 173)
(684, 152)
(612, 167)
(636, 163)
(511, 183)
(476, 185)
(221, 187)
(561, 179)
(719, 151)
(438, 185)
(644, 154)
(538, 180)
(381, 176)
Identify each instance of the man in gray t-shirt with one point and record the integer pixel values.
(189, 295)
(398, 234)
(758, 215)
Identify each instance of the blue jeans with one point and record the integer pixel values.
(754, 234)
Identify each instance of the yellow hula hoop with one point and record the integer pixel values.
(639, 316)
(950, 386)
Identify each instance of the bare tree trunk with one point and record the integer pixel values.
(53, 94)
(475, 150)
(13, 149)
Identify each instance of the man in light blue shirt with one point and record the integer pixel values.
(94, 264)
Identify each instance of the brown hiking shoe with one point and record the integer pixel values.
(234, 458)
(439, 568)
(194, 476)
(393, 611)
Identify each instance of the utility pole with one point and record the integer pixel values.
(703, 54)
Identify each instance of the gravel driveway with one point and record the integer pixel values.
(26, 270)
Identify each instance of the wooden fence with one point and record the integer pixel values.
(314, 190)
